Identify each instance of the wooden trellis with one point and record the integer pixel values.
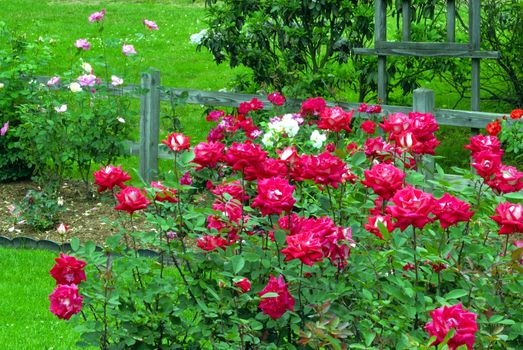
(383, 48)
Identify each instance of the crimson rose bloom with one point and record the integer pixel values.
(486, 163)
(276, 99)
(480, 143)
(454, 317)
(177, 142)
(377, 148)
(164, 194)
(335, 119)
(516, 114)
(131, 199)
(494, 128)
(274, 196)
(449, 211)
(373, 222)
(412, 207)
(336, 246)
(275, 307)
(208, 154)
(306, 246)
(312, 106)
(244, 285)
(324, 169)
(368, 127)
(289, 155)
(110, 176)
(65, 301)
(68, 270)
(209, 242)
(384, 179)
(396, 124)
(241, 155)
(509, 218)
(508, 179)
(253, 105)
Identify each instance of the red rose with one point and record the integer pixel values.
(110, 176)
(65, 301)
(449, 211)
(233, 189)
(177, 142)
(276, 99)
(244, 285)
(335, 119)
(480, 143)
(207, 155)
(68, 270)
(396, 123)
(384, 179)
(253, 105)
(486, 163)
(373, 224)
(131, 199)
(494, 128)
(209, 242)
(368, 127)
(306, 246)
(241, 155)
(274, 196)
(324, 169)
(312, 106)
(454, 317)
(508, 179)
(412, 207)
(377, 148)
(336, 246)
(509, 218)
(289, 155)
(214, 116)
(164, 194)
(270, 167)
(364, 108)
(276, 306)
(516, 114)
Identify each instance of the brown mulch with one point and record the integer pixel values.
(89, 218)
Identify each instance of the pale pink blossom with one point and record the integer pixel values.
(4, 129)
(151, 25)
(116, 81)
(61, 109)
(87, 80)
(53, 81)
(97, 16)
(128, 50)
(82, 44)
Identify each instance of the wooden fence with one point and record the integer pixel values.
(151, 94)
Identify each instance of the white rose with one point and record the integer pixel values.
(317, 139)
(87, 67)
(2, 85)
(290, 125)
(196, 39)
(267, 139)
(75, 87)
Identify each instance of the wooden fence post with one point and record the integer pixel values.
(423, 101)
(149, 125)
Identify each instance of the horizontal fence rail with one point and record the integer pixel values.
(151, 93)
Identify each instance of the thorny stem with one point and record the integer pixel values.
(506, 246)
(414, 246)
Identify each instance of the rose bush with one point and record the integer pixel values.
(286, 245)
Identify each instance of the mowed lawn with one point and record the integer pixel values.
(25, 320)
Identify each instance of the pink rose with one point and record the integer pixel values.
(87, 80)
(82, 44)
(396, 123)
(509, 218)
(131, 199)
(177, 142)
(65, 301)
(276, 99)
(449, 211)
(412, 207)
(4, 129)
(335, 119)
(480, 143)
(305, 246)
(384, 179)
(453, 317)
(207, 155)
(97, 16)
(151, 25)
(253, 105)
(276, 306)
(53, 81)
(324, 169)
(486, 163)
(373, 224)
(274, 196)
(508, 179)
(368, 127)
(244, 285)
(209, 243)
(128, 50)
(241, 155)
(312, 106)
(68, 270)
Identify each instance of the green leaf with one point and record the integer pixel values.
(75, 244)
(269, 295)
(238, 263)
(456, 294)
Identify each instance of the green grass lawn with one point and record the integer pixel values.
(25, 320)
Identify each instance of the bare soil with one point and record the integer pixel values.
(89, 218)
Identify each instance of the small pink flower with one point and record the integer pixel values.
(87, 80)
(62, 228)
(244, 285)
(53, 81)
(186, 179)
(128, 50)
(97, 16)
(82, 44)
(61, 109)
(65, 301)
(116, 81)
(276, 98)
(151, 25)
(4, 129)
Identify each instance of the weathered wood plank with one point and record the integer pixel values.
(451, 21)
(413, 45)
(380, 34)
(149, 125)
(427, 53)
(405, 24)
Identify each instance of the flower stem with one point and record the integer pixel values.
(414, 246)
(506, 246)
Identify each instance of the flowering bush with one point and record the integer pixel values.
(327, 244)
